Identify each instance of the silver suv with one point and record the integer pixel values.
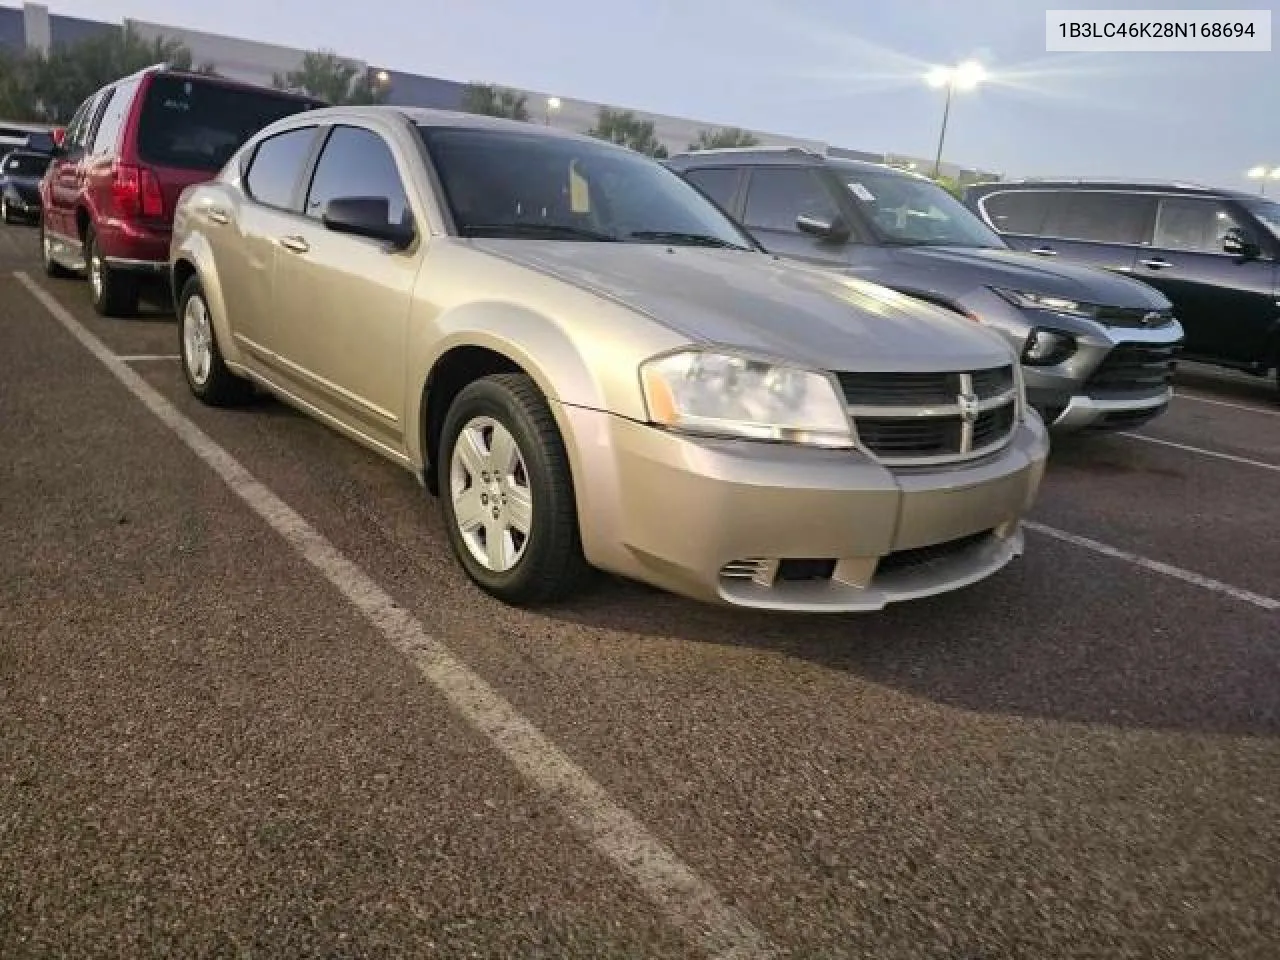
(1097, 350)
(594, 368)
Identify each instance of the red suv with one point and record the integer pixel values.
(128, 153)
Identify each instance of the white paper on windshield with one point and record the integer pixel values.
(862, 193)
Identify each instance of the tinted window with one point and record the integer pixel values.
(1267, 211)
(113, 118)
(777, 195)
(277, 165)
(197, 125)
(1098, 216)
(501, 183)
(357, 163)
(908, 209)
(1192, 223)
(24, 165)
(718, 183)
(1017, 211)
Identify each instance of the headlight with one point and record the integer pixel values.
(733, 396)
(1040, 301)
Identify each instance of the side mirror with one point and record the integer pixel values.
(1239, 244)
(834, 230)
(367, 217)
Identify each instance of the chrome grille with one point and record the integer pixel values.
(918, 418)
(1134, 368)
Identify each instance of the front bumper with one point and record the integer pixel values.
(23, 205)
(772, 526)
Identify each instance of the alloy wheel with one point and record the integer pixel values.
(197, 340)
(492, 499)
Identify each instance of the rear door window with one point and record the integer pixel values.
(1098, 216)
(113, 118)
(1021, 211)
(276, 167)
(195, 124)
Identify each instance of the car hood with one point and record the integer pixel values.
(1029, 273)
(755, 302)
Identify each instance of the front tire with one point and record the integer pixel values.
(507, 493)
(113, 294)
(207, 374)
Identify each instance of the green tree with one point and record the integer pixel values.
(951, 185)
(724, 137)
(624, 128)
(491, 101)
(49, 87)
(331, 78)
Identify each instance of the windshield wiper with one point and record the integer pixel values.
(694, 239)
(550, 231)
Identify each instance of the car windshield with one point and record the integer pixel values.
(24, 165)
(197, 125)
(502, 183)
(1267, 211)
(908, 210)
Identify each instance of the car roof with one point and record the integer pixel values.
(768, 156)
(431, 117)
(165, 69)
(1108, 184)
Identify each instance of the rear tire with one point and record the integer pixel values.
(207, 375)
(544, 562)
(52, 268)
(113, 293)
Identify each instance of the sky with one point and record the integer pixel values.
(847, 72)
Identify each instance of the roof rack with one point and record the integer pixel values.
(1141, 181)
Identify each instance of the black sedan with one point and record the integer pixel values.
(20, 174)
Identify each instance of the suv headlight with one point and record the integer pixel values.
(1041, 301)
(722, 394)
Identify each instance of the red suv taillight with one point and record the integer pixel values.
(136, 191)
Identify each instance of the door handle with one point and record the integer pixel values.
(295, 243)
(1044, 251)
(1156, 263)
(218, 215)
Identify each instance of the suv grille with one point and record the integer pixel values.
(1134, 317)
(1135, 368)
(917, 418)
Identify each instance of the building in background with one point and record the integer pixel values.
(33, 26)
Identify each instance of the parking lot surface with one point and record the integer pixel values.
(208, 749)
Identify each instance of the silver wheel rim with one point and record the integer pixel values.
(95, 275)
(197, 340)
(492, 501)
(46, 245)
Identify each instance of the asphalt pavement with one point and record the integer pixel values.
(211, 748)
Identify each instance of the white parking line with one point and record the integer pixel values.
(1216, 454)
(1156, 566)
(130, 358)
(688, 901)
(1225, 403)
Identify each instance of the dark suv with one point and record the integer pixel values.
(1213, 253)
(128, 153)
(1097, 350)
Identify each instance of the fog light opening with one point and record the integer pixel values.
(1047, 347)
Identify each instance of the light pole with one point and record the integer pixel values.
(1260, 174)
(553, 105)
(963, 76)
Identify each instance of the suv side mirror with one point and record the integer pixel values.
(367, 217)
(834, 230)
(1239, 244)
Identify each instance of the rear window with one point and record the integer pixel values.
(25, 165)
(198, 125)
